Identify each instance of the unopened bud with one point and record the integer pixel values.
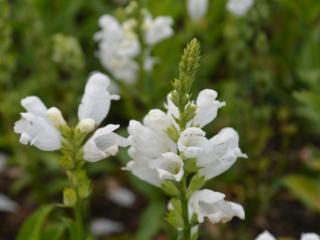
(69, 197)
(86, 125)
(55, 115)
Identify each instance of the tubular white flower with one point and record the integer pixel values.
(172, 109)
(265, 236)
(147, 146)
(197, 9)
(96, 101)
(169, 167)
(148, 142)
(192, 142)
(103, 143)
(209, 204)
(207, 107)
(220, 153)
(239, 7)
(157, 29)
(35, 128)
(310, 236)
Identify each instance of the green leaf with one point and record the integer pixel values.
(31, 229)
(174, 215)
(196, 183)
(54, 232)
(306, 189)
(170, 188)
(151, 220)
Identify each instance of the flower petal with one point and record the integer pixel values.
(95, 103)
(197, 9)
(34, 105)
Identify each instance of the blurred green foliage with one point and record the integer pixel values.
(266, 66)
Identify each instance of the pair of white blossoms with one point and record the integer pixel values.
(155, 156)
(305, 236)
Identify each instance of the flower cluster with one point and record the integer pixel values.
(120, 45)
(197, 9)
(239, 7)
(304, 236)
(41, 127)
(169, 146)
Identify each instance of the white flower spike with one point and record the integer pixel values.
(209, 204)
(197, 9)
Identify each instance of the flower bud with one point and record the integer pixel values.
(69, 197)
(55, 115)
(86, 125)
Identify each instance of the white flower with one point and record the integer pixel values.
(147, 146)
(209, 204)
(192, 142)
(169, 166)
(157, 29)
(96, 101)
(220, 153)
(265, 236)
(103, 143)
(7, 205)
(104, 227)
(197, 9)
(157, 120)
(35, 128)
(239, 7)
(310, 236)
(207, 107)
(121, 196)
(118, 47)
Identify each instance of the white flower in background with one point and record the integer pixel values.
(197, 9)
(310, 236)
(7, 205)
(157, 29)
(121, 196)
(39, 126)
(104, 227)
(239, 7)
(265, 236)
(211, 205)
(35, 128)
(119, 45)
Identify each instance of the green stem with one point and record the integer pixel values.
(186, 231)
(79, 221)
